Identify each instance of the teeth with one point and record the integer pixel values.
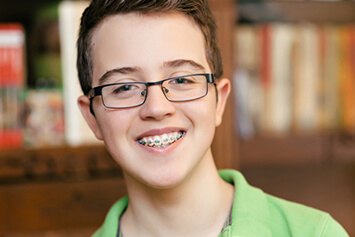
(162, 140)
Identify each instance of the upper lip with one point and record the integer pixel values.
(157, 132)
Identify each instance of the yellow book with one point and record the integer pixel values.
(347, 77)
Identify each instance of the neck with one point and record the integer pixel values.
(198, 206)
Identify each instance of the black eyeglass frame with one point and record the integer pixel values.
(97, 91)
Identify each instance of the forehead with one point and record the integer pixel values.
(145, 41)
(123, 23)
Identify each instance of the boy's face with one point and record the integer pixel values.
(150, 48)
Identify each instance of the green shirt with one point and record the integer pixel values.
(254, 214)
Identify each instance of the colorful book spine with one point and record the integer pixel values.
(280, 91)
(331, 99)
(12, 69)
(307, 80)
(347, 77)
(246, 52)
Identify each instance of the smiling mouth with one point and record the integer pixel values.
(162, 140)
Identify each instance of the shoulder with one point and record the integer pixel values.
(110, 225)
(301, 220)
(256, 213)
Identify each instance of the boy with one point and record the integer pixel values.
(151, 76)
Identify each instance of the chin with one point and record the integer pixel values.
(165, 180)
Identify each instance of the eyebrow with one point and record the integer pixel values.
(183, 62)
(122, 70)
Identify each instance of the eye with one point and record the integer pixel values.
(124, 88)
(182, 80)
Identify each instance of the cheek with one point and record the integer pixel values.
(113, 124)
(202, 113)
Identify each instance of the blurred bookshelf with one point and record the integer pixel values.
(294, 61)
(294, 92)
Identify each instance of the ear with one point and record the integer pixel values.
(223, 90)
(84, 106)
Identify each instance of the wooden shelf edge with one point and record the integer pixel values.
(297, 150)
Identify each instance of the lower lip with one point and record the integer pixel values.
(164, 150)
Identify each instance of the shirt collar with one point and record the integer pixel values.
(250, 214)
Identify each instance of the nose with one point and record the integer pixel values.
(156, 106)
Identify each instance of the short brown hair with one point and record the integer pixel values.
(197, 10)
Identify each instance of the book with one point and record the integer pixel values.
(245, 80)
(306, 80)
(44, 118)
(347, 77)
(330, 118)
(279, 113)
(77, 131)
(12, 71)
(265, 75)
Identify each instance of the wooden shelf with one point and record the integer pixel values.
(56, 206)
(297, 150)
(293, 150)
(56, 163)
(344, 148)
(56, 190)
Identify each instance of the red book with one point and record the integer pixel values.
(265, 56)
(11, 84)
